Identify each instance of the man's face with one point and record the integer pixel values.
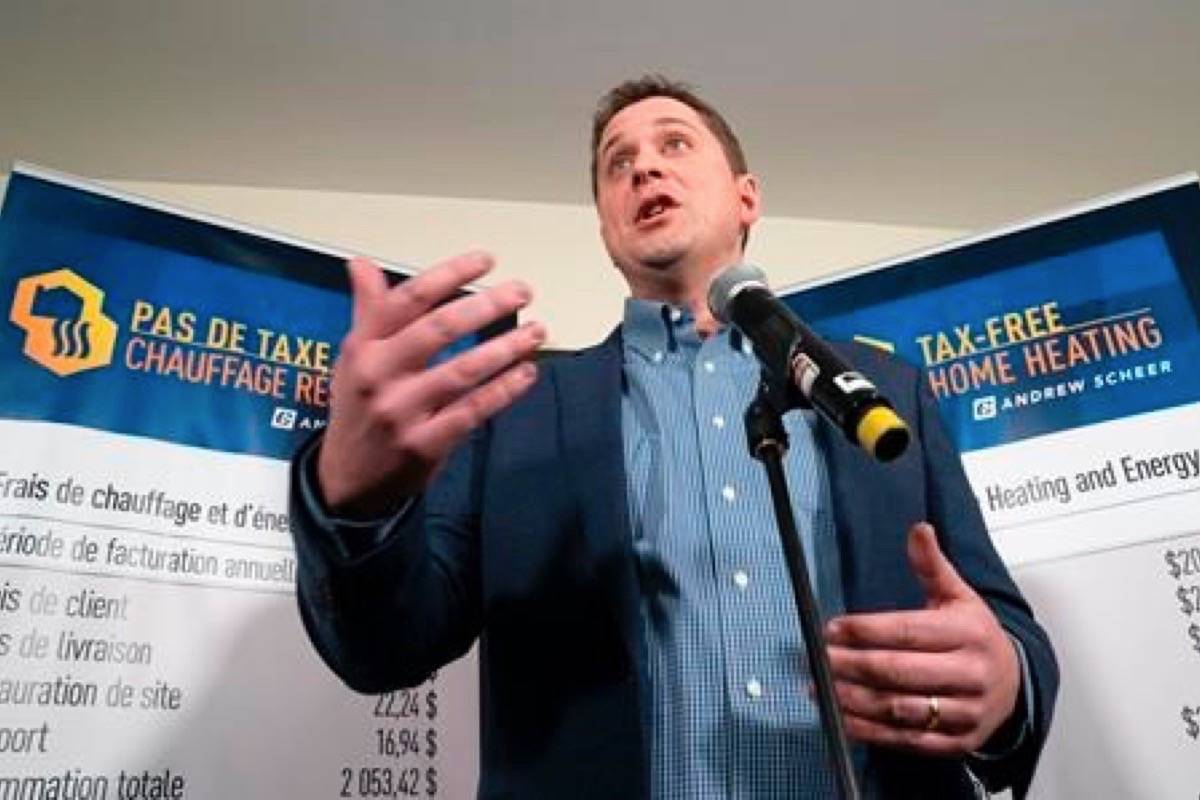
(666, 195)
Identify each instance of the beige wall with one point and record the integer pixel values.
(554, 247)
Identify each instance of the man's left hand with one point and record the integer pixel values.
(939, 680)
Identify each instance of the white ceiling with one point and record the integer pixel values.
(955, 113)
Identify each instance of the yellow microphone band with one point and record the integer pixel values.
(877, 423)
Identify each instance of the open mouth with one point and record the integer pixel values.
(653, 207)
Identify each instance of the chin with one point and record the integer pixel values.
(663, 255)
(660, 262)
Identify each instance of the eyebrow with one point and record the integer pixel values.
(658, 122)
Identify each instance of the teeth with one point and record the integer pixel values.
(653, 210)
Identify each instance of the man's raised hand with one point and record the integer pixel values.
(394, 419)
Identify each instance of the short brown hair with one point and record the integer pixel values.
(633, 91)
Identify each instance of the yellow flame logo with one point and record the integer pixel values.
(70, 344)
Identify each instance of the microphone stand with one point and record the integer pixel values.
(768, 442)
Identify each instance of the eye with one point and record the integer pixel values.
(620, 162)
(676, 143)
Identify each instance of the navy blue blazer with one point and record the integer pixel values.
(524, 542)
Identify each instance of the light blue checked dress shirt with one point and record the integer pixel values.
(730, 711)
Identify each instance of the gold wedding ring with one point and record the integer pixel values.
(935, 713)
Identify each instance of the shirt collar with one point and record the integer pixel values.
(652, 326)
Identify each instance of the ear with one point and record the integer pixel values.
(599, 205)
(749, 199)
(604, 231)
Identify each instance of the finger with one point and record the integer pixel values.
(426, 337)
(451, 424)
(412, 298)
(450, 380)
(367, 289)
(906, 710)
(906, 671)
(933, 742)
(925, 630)
(935, 572)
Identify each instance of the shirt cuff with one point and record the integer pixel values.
(350, 538)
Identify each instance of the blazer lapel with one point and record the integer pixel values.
(873, 506)
(589, 396)
(848, 480)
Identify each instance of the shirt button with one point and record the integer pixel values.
(658, 356)
(710, 366)
(728, 493)
(718, 422)
(741, 579)
(676, 315)
(754, 688)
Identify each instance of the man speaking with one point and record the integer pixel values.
(597, 524)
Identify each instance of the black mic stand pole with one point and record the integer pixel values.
(768, 442)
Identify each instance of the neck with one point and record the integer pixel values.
(694, 299)
(684, 289)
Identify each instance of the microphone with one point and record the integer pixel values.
(793, 355)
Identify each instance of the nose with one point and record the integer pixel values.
(645, 170)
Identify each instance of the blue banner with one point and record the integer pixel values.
(1084, 319)
(134, 320)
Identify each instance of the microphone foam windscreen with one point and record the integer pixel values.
(728, 283)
